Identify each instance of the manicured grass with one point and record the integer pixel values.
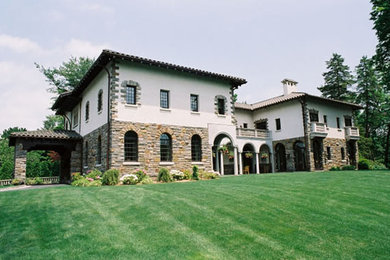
(293, 215)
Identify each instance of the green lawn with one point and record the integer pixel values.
(292, 215)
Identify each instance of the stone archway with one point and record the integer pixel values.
(66, 143)
(280, 158)
(299, 156)
(249, 159)
(224, 155)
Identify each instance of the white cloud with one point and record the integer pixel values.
(17, 44)
(95, 7)
(77, 47)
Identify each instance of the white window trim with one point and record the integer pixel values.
(167, 163)
(132, 163)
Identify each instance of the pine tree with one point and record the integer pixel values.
(369, 94)
(337, 79)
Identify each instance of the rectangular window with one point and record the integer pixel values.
(338, 122)
(221, 106)
(329, 153)
(130, 95)
(194, 103)
(245, 125)
(348, 121)
(164, 98)
(313, 116)
(342, 153)
(262, 125)
(325, 120)
(278, 124)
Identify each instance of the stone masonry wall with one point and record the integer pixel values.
(92, 139)
(149, 147)
(335, 147)
(20, 162)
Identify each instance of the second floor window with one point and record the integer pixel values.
(100, 101)
(221, 106)
(348, 121)
(338, 122)
(262, 125)
(245, 125)
(130, 95)
(87, 111)
(194, 103)
(164, 98)
(313, 116)
(278, 124)
(325, 120)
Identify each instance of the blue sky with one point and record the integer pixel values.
(262, 41)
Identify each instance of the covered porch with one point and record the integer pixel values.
(66, 143)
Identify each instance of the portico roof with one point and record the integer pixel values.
(60, 135)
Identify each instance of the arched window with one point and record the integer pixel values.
(196, 148)
(131, 146)
(87, 111)
(86, 154)
(100, 101)
(99, 151)
(165, 148)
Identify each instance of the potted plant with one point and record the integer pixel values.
(248, 155)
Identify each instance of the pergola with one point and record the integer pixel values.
(66, 143)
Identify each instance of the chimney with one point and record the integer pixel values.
(289, 86)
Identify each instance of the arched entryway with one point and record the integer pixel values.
(280, 158)
(265, 159)
(249, 159)
(299, 156)
(224, 155)
(317, 153)
(351, 149)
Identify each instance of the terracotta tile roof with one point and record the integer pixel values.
(292, 96)
(46, 134)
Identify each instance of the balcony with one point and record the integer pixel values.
(253, 133)
(318, 130)
(352, 133)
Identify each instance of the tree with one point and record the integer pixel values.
(7, 153)
(369, 94)
(53, 122)
(380, 14)
(337, 79)
(7, 132)
(67, 76)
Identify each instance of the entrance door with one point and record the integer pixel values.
(280, 158)
(317, 151)
(299, 156)
(351, 148)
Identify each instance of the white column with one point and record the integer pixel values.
(222, 169)
(257, 163)
(240, 157)
(235, 161)
(216, 159)
(272, 162)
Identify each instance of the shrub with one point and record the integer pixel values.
(164, 175)
(348, 168)
(177, 175)
(95, 183)
(94, 174)
(146, 180)
(378, 166)
(195, 173)
(129, 179)
(187, 174)
(16, 182)
(82, 182)
(38, 180)
(334, 168)
(364, 164)
(111, 177)
(140, 175)
(208, 175)
(76, 176)
(30, 181)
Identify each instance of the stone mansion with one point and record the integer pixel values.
(130, 112)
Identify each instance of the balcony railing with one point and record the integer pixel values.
(318, 130)
(352, 133)
(253, 133)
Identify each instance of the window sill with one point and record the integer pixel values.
(132, 163)
(195, 113)
(131, 105)
(197, 163)
(344, 161)
(167, 163)
(165, 109)
(329, 161)
(277, 131)
(339, 129)
(98, 165)
(85, 167)
(99, 112)
(220, 115)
